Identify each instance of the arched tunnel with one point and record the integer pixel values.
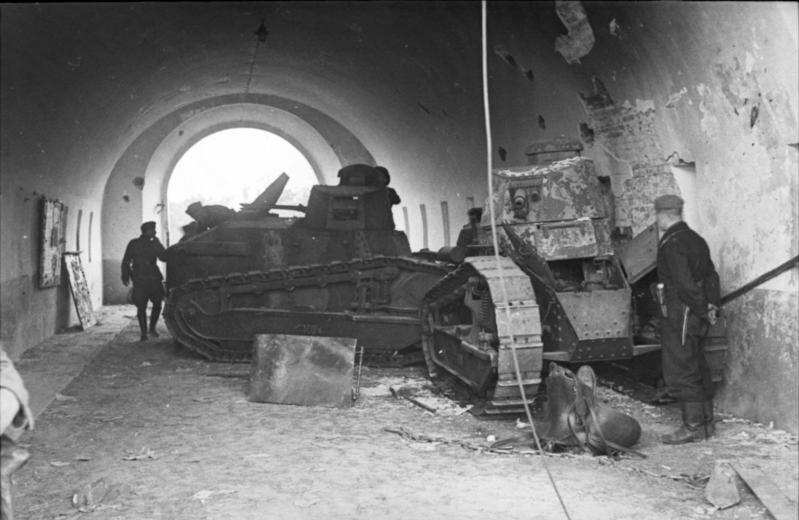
(100, 101)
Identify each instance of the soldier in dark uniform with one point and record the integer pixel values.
(690, 306)
(139, 264)
(385, 179)
(470, 232)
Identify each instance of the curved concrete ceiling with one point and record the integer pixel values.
(151, 157)
(105, 73)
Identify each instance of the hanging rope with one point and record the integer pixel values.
(252, 65)
(505, 307)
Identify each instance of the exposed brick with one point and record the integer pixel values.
(629, 135)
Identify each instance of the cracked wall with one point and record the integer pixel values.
(625, 141)
(710, 86)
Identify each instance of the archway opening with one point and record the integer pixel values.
(234, 166)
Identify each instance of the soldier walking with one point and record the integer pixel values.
(689, 306)
(139, 264)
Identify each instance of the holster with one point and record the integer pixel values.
(659, 295)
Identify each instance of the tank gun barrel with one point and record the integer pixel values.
(293, 207)
(269, 197)
(261, 209)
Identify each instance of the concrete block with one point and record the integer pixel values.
(302, 370)
(721, 490)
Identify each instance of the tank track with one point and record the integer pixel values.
(471, 331)
(374, 299)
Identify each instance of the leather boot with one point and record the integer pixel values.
(142, 327)
(153, 322)
(693, 425)
(710, 426)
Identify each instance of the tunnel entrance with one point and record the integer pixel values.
(233, 166)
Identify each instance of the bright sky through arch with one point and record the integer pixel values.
(234, 166)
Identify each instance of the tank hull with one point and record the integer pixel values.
(375, 300)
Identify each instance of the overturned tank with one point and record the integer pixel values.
(559, 292)
(340, 270)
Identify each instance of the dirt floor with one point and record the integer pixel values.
(163, 434)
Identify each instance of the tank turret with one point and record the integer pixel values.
(563, 209)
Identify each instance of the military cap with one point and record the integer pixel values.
(668, 202)
(147, 225)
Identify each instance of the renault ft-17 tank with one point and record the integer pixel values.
(341, 270)
(558, 293)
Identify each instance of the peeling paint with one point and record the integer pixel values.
(627, 133)
(506, 56)
(749, 62)
(761, 320)
(580, 39)
(614, 29)
(529, 74)
(753, 113)
(674, 98)
(644, 105)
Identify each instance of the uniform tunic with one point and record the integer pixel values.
(467, 236)
(691, 282)
(139, 264)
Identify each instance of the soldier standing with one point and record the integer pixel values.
(139, 264)
(689, 305)
(470, 233)
(385, 179)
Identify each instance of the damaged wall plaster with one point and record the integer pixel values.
(725, 98)
(627, 134)
(747, 162)
(580, 39)
(692, 74)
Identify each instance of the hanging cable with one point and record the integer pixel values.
(261, 33)
(506, 301)
(252, 66)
